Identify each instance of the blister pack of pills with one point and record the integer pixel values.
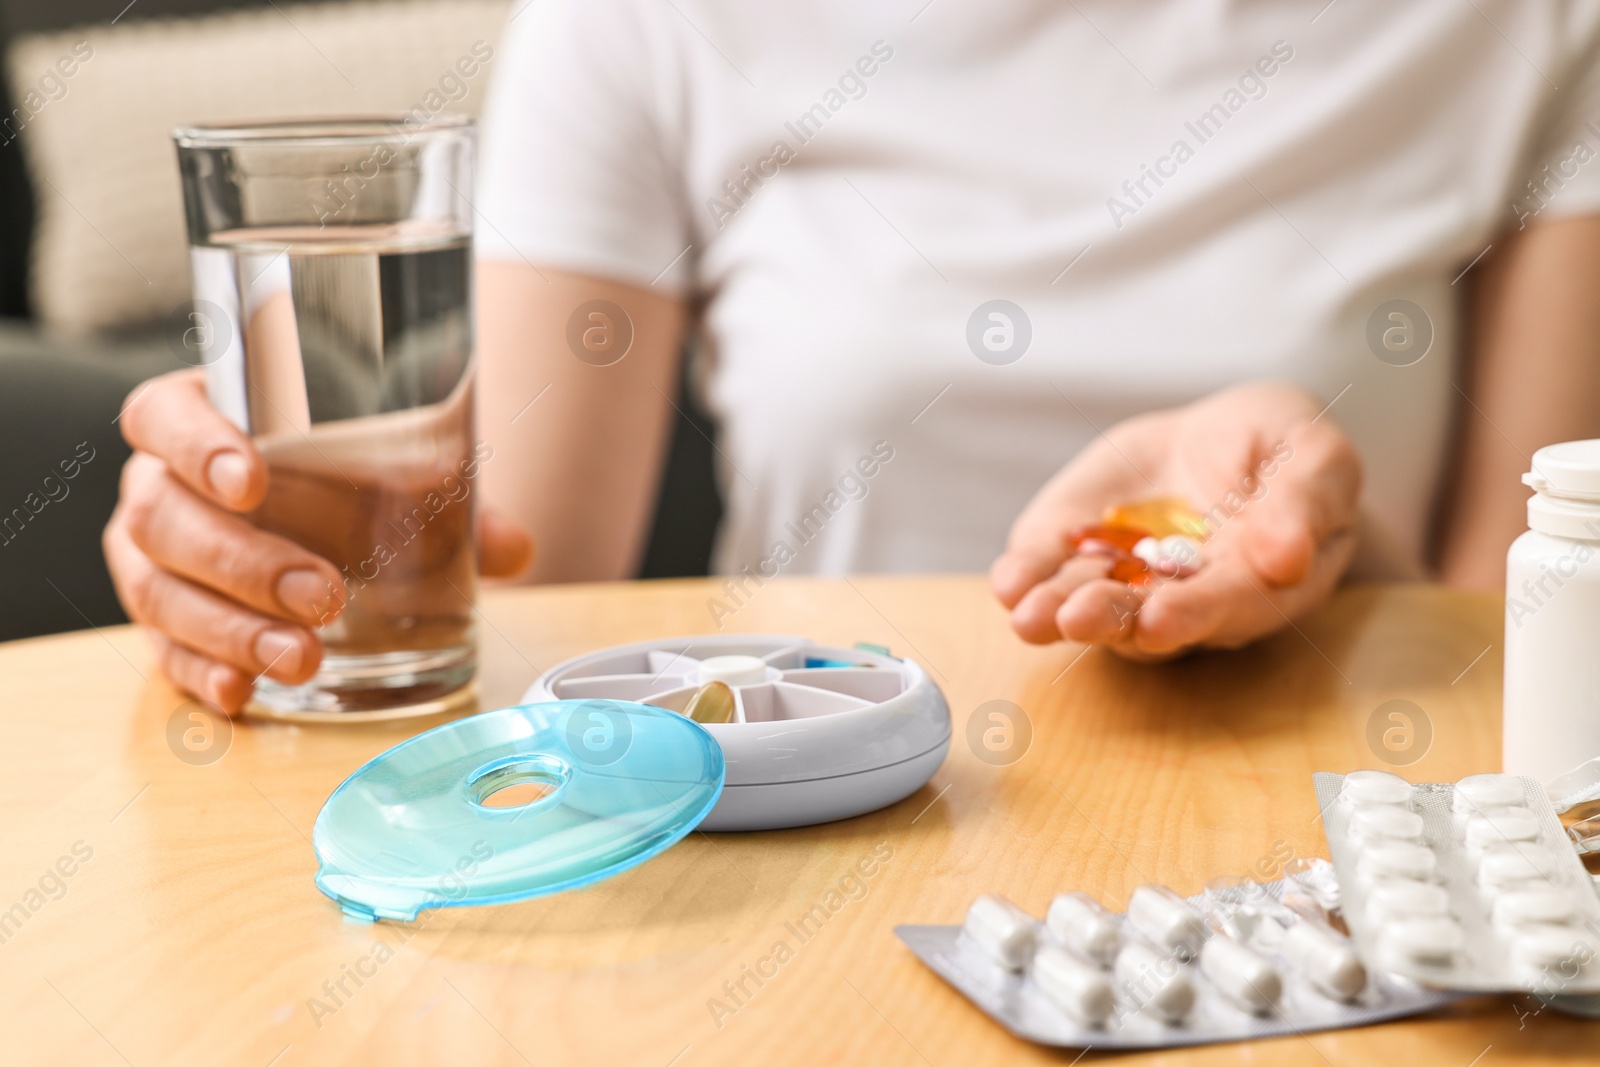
(1239, 961)
(1472, 885)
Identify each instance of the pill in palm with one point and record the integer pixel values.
(1482, 792)
(1175, 556)
(1377, 822)
(1106, 539)
(1520, 907)
(1130, 570)
(1005, 932)
(1325, 959)
(1396, 859)
(1162, 516)
(1375, 787)
(1168, 920)
(1244, 977)
(1115, 543)
(1154, 982)
(1506, 825)
(1085, 927)
(1080, 989)
(1144, 539)
(1180, 551)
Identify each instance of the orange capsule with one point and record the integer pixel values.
(1159, 516)
(1130, 569)
(1106, 539)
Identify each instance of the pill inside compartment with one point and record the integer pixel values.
(1077, 987)
(1325, 959)
(1520, 864)
(1401, 898)
(1374, 787)
(1390, 859)
(1081, 924)
(1244, 977)
(1154, 982)
(1167, 921)
(1486, 792)
(1522, 904)
(1422, 940)
(1548, 956)
(1500, 826)
(1002, 931)
(1385, 822)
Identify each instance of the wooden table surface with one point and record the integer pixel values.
(188, 930)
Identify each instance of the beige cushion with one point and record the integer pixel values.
(109, 250)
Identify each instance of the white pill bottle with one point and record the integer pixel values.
(1552, 672)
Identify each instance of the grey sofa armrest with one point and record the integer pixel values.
(60, 458)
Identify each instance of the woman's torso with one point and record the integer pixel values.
(1177, 196)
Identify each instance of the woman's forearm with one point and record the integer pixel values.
(577, 445)
(1531, 377)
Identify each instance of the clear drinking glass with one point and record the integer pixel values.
(332, 265)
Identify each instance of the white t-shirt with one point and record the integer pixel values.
(1178, 195)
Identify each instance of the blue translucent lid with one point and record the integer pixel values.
(409, 830)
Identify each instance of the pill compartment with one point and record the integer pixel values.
(819, 732)
(777, 686)
(1088, 976)
(1520, 910)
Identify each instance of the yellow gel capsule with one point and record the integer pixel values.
(1159, 516)
(712, 703)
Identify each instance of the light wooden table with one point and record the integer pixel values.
(192, 933)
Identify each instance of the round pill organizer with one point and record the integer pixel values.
(819, 732)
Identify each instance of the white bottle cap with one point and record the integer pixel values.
(1569, 469)
(1566, 482)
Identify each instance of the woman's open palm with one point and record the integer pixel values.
(1278, 483)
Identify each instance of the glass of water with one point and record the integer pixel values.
(332, 264)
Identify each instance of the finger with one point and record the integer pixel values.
(170, 417)
(1227, 605)
(1113, 467)
(184, 534)
(1314, 497)
(1034, 618)
(1192, 611)
(505, 549)
(227, 688)
(1020, 570)
(207, 623)
(1101, 612)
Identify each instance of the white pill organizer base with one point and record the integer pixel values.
(1484, 962)
(819, 732)
(1013, 1001)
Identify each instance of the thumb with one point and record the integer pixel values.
(505, 549)
(1313, 497)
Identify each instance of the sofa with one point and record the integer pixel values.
(94, 265)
